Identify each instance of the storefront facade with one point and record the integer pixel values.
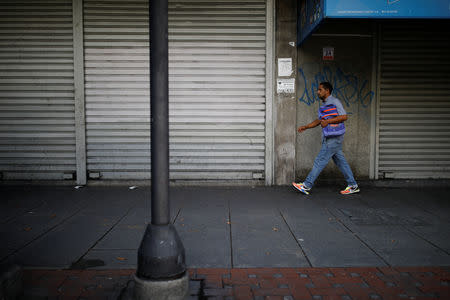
(392, 74)
(74, 92)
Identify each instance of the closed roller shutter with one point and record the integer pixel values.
(414, 115)
(117, 89)
(37, 131)
(216, 89)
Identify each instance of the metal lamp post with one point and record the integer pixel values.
(161, 271)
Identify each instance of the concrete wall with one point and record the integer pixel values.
(285, 103)
(351, 75)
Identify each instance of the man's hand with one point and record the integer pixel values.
(324, 123)
(310, 125)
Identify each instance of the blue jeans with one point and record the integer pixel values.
(331, 148)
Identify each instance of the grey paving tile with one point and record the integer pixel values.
(128, 233)
(17, 200)
(122, 237)
(438, 235)
(30, 225)
(325, 241)
(65, 244)
(432, 200)
(113, 259)
(383, 230)
(261, 237)
(401, 248)
(413, 216)
(204, 230)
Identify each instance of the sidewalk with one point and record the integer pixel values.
(268, 235)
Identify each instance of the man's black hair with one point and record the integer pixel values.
(326, 85)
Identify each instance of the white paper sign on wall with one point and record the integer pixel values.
(284, 66)
(285, 85)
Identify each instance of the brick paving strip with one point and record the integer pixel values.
(259, 283)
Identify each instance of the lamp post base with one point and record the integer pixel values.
(174, 289)
(161, 254)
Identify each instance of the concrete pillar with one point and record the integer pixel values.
(285, 104)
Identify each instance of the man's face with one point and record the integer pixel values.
(322, 93)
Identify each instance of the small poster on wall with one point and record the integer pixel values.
(284, 66)
(285, 85)
(328, 53)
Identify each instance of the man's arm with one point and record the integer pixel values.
(310, 125)
(335, 120)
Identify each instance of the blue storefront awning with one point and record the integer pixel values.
(313, 12)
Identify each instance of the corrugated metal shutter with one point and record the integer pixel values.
(414, 115)
(216, 82)
(37, 134)
(117, 89)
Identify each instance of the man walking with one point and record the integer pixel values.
(331, 117)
